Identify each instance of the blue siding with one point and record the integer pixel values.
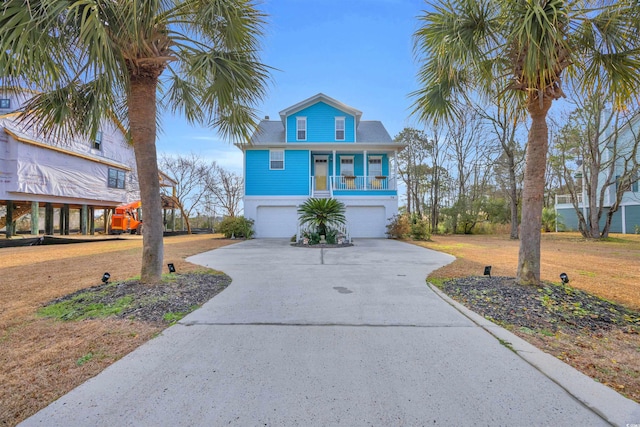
(292, 181)
(632, 216)
(321, 124)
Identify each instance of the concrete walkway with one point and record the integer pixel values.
(333, 337)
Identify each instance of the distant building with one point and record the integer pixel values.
(320, 148)
(626, 219)
(41, 174)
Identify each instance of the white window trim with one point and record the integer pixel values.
(352, 164)
(344, 128)
(276, 150)
(303, 119)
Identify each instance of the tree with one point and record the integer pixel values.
(97, 59)
(410, 166)
(464, 45)
(603, 144)
(190, 174)
(322, 214)
(226, 188)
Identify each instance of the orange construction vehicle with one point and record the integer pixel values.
(127, 219)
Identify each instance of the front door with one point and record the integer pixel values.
(321, 168)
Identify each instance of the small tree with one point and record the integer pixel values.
(322, 213)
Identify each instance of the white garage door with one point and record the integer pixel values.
(276, 221)
(366, 221)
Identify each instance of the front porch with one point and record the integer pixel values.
(353, 173)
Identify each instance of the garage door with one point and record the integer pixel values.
(276, 221)
(366, 221)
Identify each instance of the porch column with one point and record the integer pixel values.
(333, 178)
(48, 219)
(364, 161)
(395, 170)
(9, 219)
(66, 219)
(84, 217)
(35, 217)
(623, 214)
(92, 220)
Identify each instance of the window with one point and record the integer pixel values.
(5, 103)
(301, 128)
(375, 166)
(346, 166)
(97, 143)
(340, 128)
(116, 178)
(276, 159)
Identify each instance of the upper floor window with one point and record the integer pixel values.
(276, 159)
(375, 166)
(5, 103)
(339, 128)
(301, 128)
(97, 142)
(116, 178)
(346, 166)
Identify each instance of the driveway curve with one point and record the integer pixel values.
(321, 337)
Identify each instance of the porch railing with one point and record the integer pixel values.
(562, 199)
(362, 183)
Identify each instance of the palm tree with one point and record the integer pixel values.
(465, 45)
(322, 213)
(93, 60)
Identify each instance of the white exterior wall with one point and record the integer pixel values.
(366, 215)
(70, 172)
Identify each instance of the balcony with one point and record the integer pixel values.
(567, 199)
(326, 186)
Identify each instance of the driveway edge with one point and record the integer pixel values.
(604, 401)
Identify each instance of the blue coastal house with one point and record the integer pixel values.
(320, 148)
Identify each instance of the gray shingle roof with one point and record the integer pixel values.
(272, 131)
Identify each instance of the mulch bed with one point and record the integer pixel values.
(182, 293)
(549, 307)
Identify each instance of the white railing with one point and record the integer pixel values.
(343, 232)
(362, 183)
(566, 199)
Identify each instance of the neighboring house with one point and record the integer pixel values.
(41, 174)
(320, 148)
(627, 218)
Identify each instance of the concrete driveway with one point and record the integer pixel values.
(332, 337)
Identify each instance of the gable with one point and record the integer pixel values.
(320, 124)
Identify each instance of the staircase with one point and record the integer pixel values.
(324, 194)
(17, 213)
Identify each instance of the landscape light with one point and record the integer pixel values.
(564, 278)
(172, 268)
(487, 271)
(105, 277)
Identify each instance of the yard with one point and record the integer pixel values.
(42, 359)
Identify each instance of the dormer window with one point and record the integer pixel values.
(5, 103)
(339, 128)
(301, 128)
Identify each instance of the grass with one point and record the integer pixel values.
(82, 307)
(605, 268)
(42, 357)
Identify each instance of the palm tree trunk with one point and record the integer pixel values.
(142, 122)
(533, 193)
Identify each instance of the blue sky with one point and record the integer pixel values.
(356, 51)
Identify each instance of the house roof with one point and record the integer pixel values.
(272, 132)
(321, 97)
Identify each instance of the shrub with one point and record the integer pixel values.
(237, 226)
(420, 229)
(322, 214)
(398, 227)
